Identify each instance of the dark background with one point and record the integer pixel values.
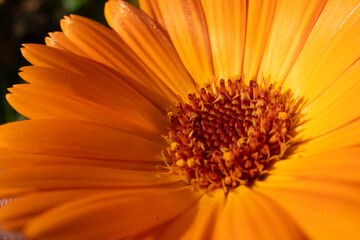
(29, 21)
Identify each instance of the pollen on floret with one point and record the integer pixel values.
(229, 135)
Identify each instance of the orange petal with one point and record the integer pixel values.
(11, 235)
(18, 160)
(40, 103)
(105, 45)
(338, 105)
(150, 43)
(329, 51)
(76, 139)
(94, 83)
(186, 25)
(44, 56)
(335, 165)
(259, 19)
(112, 91)
(152, 9)
(249, 215)
(292, 24)
(16, 214)
(70, 177)
(13, 192)
(154, 233)
(125, 213)
(199, 220)
(323, 209)
(345, 136)
(226, 23)
(60, 41)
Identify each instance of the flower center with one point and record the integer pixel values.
(230, 136)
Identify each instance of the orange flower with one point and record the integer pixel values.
(191, 119)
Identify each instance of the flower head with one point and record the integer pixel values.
(189, 119)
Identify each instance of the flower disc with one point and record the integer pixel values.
(231, 135)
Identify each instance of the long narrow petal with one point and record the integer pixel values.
(150, 43)
(125, 213)
(76, 139)
(70, 177)
(60, 41)
(39, 103)
(105, 45)
(92, 82)
(329, 51)
(13, 192)
(338, 105)
(323, 209)
(44, 56)
(346, 135)
(259, 20)
(226, 23)
(198, 221)
(152, 9)
(341, 165)
(16, 214)
(185, 22)
(248, 215)
(292, 24)
(10, 159)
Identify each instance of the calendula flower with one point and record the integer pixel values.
(189, 119)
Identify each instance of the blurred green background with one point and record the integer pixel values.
(29, 21)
